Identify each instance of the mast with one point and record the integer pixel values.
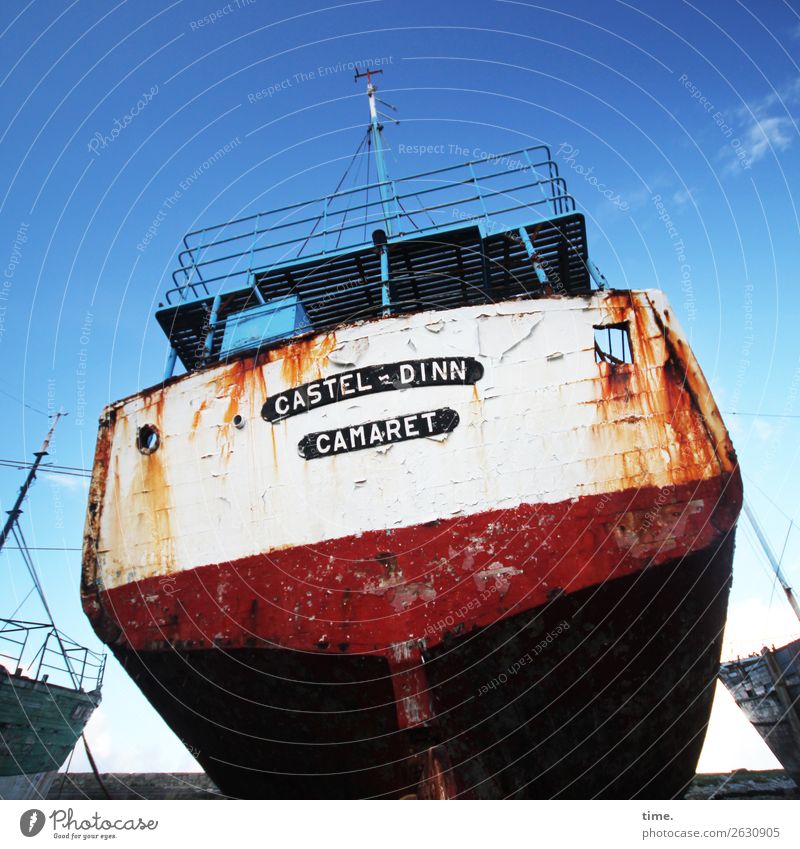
(9, 528)
(792, 598)
(376, 128)
(16, 510)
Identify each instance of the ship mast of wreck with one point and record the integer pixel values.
(773, 560)
(379, 237)
(493, 228)
(78, 663)
(15, 512)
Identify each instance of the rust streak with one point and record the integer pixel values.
(301, 360)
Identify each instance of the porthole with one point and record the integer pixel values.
(147, 439)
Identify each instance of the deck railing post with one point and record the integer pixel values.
(597, 275)
(531, 251)
(386, 295)
(172, 356)
(212, 323)
(479, 191)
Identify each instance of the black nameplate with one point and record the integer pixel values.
(437, 371)
(326, 443)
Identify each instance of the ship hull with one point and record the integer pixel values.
(39, 726)
(322, 593)
(767, 689)
(602, 693)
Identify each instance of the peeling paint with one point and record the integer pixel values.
(538, 432)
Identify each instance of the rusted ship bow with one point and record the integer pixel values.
(430, 513)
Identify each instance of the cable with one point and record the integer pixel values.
(369, 163)
(71, 471)
(19, 606)
(351, 195)
(16, 530)
(335, 192)
(19, 401)
(782, 512)
(764, 415)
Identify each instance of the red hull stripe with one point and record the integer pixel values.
(366, 593)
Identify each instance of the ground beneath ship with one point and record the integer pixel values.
(739, 784)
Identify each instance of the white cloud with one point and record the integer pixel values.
(768, 124)
(121, 753)
(775, 132)
(763, 430)
(73, 483)
(683, 196)
(752, 624)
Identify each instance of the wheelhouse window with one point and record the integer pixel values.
(612, 344)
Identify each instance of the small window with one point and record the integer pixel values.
(147, 439)
(612, 344)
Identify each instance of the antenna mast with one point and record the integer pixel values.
(376, 128)
(772, 559)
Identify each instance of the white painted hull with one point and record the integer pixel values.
(542, 426)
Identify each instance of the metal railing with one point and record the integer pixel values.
(496, 192)
(39, 650)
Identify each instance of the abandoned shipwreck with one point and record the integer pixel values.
(432, 511)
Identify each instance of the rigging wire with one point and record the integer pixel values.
(16, 531)
(369, 163)
(23, 403)
(19, 606)
(782, 512)
(351, 196)
(422, 207)
(73, 471)
(335, 192)
(780, 561)
(764, 415)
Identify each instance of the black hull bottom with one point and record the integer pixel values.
(613, 706)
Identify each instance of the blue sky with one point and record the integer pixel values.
(674, 125)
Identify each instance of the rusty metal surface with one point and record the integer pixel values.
(547, 424)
